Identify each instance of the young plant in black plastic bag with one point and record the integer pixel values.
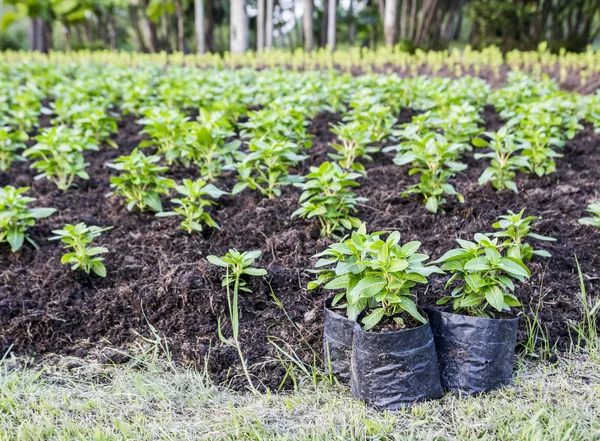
(483, 275)
(375, 276)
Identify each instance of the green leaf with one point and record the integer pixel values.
(513, 268)
(99, 269)
(495, 297)
(255, 272)
(477, 264)
(217, 261)
(340, 282)
(373, 318)
(366, 287)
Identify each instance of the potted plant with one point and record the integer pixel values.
(393, 360)
(476, 341)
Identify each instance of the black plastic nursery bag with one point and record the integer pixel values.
(392, 370)
(475, 354)
(338, 333)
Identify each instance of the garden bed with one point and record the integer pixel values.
(158, 275)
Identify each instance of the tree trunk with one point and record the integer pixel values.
(351, 27)
(331, 27)
(36, 34)
(179, 15)
(239, 27)
(390, 22)
(67, 32)
(152, 32)
(308, 25)
(208, 27)
(413, 20)
(269, 25)
(133, 16)
(47, 36)
(199, 25)
(403, 19)
(260, 25)
(112, 30)
(324, 22)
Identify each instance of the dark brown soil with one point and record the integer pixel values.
(158, 275)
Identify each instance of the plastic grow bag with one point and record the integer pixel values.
(475, 354)
(392, 370)
(338, 332)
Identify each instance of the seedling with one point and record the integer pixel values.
(59, 153)
(376, 276)
(327, 197)
(504, 163)
(594, 220)
(266, 167)
(354, 138)
(436, 161)
(11, 142)
(483, 275)
(166, 128)
(16, 217)
(76, 239)
(140, 182)
(237, 265)
(191, 205)
(514, 229)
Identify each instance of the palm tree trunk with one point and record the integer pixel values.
(260, 25)
(179, 16)
(307, 20)
(199, 25)
(239, 27)
(133, 16)
(390, 22)
(269, 25)
(331, 26)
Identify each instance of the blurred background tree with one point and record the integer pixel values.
(239, 25)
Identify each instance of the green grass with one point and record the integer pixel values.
(153, 400)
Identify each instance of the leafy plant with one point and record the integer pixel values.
(166, 129)
(376, 276)
(594, 221)
(140, 181)
(191, 205)
(327, 197)
(237, 265)
(436, 161)
(266, 167)
(504, 163)
(354, 137)
(11, 142)
(16, 217)
(277, 123)
(537, 150)
(59, 153)
(76, 238)
(483, 275)
(205, 147)
(514, 228)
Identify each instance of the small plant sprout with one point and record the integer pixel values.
(266, 167)
(327, 197)
(504, 162)
(483, 275)
(191, 205)
(237, 265)
(594, 221)
(11, 142)
(375, 276)
(514, 228)
(354, 139)
(76, 239)
(140, 182)
(59, 156)
(436, 161)
(166, 128)
(16, 217)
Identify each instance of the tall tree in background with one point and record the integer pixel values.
(260, 25)
(390, 22)
(269, 25)
(331, 24)
(307, 21)
(239, 27)
(199, 26)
